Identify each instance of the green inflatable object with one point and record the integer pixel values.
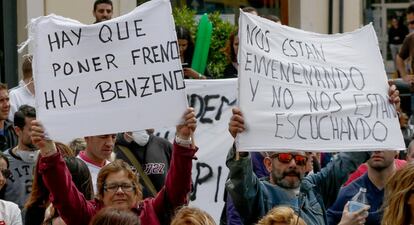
(202, 45)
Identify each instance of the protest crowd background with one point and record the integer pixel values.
(160, 116)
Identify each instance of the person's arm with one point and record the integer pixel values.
(402, 55)
(178, 181)
(188, 72)
(243, 185)
(328, 182)
(71, 204)
(401, 68)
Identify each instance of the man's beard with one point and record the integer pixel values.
(287, 184)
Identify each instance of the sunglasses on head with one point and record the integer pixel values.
(300, 160)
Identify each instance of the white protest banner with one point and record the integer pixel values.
(119, 75)
(212, 101)
(306, 91)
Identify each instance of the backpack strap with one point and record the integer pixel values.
(147, 182)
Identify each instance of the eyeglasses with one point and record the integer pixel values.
(114, 187)
(300, 160)
(411, 22)
(6, 173)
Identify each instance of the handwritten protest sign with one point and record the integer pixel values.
(305, 91)
(119, 75)
(212, 101)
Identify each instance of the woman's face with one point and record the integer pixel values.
(123, 196)
(236, 45)
(183, 45)
(3, 166)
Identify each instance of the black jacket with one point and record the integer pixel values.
(9, 139)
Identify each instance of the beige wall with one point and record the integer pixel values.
(80, 10)
(353, 15)
(313, 15)
(294, 13)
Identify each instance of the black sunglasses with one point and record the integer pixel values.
(411, 22)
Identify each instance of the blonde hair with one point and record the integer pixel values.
(398, 189)
(192, 216)
(281, 214)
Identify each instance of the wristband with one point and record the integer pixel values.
(186, 142)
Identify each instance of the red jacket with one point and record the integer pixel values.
(75, 209)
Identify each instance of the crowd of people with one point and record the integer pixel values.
(111, 178)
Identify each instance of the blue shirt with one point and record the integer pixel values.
(374, 195)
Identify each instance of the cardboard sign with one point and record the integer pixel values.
(305, 91)
(212, 101)
(119, 75)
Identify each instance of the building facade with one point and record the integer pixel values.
(321, 16)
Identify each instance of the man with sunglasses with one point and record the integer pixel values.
(309, 196)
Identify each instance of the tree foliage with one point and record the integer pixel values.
(221, 31)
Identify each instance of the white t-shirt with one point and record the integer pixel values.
(18, 97)
(94, 170)
(10, 213)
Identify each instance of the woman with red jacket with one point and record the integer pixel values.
(117, 183)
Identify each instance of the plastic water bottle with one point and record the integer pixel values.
(359, 200)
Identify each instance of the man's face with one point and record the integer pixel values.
(287, 174)
(410, 21)
(24, 134)
(103, 12)
(99, 148)
(4, 104)
(116, 196)
(381, 160)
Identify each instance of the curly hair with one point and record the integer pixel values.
(281, 214)
(398, 190)
(192, 216)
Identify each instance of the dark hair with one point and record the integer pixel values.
(2, 156)
(115, 216)
(21, 114)
(184, 33)
(410, 9)
(81, 176)
(249, 9)
(97, 2)
(272, 18)
(229, 49)
(3, 190)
